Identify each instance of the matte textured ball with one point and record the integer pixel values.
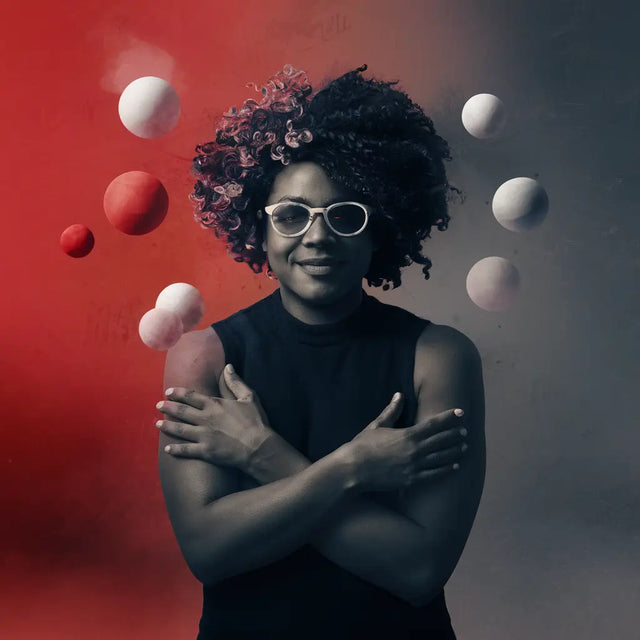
(136, 203)
(149, 107)
(77, 241)
(160, 329)
(493, 283)
(484, 115)
(520, 204)
(185, 300)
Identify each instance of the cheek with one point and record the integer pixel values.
(278, 249)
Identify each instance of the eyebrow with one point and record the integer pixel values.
(305, 201)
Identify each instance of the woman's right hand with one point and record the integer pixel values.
(389, 458)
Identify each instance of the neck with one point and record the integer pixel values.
(311, 313)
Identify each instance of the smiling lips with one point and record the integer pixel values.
(319, 266)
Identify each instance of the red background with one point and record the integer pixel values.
(86, 548)
(86, 545)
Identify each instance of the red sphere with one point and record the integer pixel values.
(77, 241)
(136, 202)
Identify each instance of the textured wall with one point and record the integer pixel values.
(85, 544)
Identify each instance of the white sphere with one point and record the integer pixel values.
(149, 107)
(520, 204)
(493, 283)
(483, 115)
(185, 300)
(160, 329)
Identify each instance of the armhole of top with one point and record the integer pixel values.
(232, 332)
(226, 336)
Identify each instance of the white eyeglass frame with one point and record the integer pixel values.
(315, 211)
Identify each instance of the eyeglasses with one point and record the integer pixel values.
(291, 219)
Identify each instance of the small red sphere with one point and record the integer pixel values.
(77, 241)
(136, 202)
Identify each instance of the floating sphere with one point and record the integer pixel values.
(493, 283)
(160, 329)
(184, 300)
(77, 241)
(149, 107)
(520, 204)
(136, 202)
(483, 115)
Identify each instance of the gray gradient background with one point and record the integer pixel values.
(555, 550)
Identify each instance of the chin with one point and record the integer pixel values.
(323, 293)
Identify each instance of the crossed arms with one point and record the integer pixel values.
(407, 543)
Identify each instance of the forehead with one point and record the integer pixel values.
(308, 181)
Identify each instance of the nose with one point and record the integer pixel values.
(318, 231)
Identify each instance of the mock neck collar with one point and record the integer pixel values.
(290, 328)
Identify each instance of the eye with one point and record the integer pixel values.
(347, 218)
(290, 213)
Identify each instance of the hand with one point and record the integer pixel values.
(225, 431)
(388, 459)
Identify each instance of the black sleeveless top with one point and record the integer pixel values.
(320, 385)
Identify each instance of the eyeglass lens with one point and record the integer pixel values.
(343, 218)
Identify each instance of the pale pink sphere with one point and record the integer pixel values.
(520, 204)
(184, 300)
(493, 283)
(160, 329)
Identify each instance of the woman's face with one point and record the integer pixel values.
(348, 257)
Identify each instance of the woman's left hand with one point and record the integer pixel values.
(225, 431)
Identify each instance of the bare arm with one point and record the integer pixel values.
(375, 542)
(448, 372)
(223, 531)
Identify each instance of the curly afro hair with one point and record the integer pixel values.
(369, 138)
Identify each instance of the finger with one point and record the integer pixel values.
(390, 413)
(197, 451)
(225, 392)
(431, 474)
(443, 440)
(180, 430)
(241, 391)
(439, 422)
(182, 412)
(444, 458)
(187, 396)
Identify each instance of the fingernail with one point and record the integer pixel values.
(455, 465)
(464, 446)
(396, 397)
(167, 449)
(463, 432)
(159, 405)
(459, 412)
(169, 391)
(230, 368)
(159, 423)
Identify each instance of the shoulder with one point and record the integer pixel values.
(443, 352)
(196, 359)
(445, 339)
(204, 347)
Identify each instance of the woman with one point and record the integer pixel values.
(309, 498)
